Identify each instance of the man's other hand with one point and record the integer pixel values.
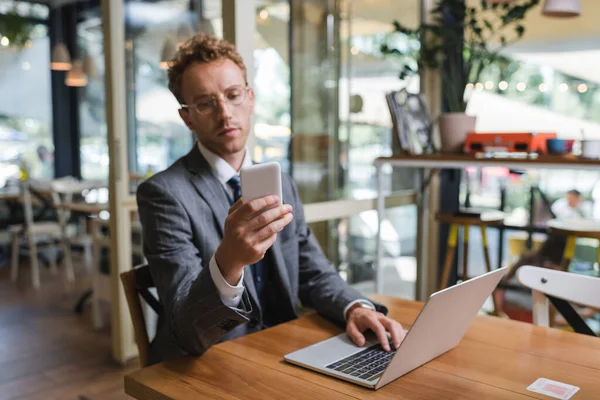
(250, 230)
(360, 319)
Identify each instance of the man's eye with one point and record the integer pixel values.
(204, 104)
(233, 96)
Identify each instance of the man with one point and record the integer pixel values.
(221, 272)
(571, 207)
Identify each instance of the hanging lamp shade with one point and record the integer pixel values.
(168, 52)
(89, 66)
(562, 8)
(61, 60)
(76, 77)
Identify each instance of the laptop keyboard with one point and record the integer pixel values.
(368, 364)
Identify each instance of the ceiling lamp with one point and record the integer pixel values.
(562, 8)
(61, 60)
(76, 77)
(168, 52)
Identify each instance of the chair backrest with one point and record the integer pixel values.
(559, 288)
(29, 187)
(27, 204)
(137, 283)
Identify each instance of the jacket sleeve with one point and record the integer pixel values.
(320, 285)
(194, 311)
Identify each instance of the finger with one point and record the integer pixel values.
(236, 205)
(273, 228)
(380, 331)
(356, 336)
(255, 206)
(262, 247)
(395, 329)
(265, 218)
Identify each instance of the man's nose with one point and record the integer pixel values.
(223, 109)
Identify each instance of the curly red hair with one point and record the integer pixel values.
(200, 48)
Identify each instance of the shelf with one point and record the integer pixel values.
(466, 160)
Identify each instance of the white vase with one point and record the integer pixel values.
(454, 128)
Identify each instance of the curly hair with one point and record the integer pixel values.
(202, 49)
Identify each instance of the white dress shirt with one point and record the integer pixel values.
(232, 295)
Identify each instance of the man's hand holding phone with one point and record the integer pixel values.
(253, 222)
(250, 230)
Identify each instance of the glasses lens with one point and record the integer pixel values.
(235, 95)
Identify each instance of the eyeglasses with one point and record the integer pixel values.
(234, 96)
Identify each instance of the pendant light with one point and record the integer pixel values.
(61, 60)
(76, 77)
(562, 8)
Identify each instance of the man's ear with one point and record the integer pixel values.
(251, 98)
(184, 113)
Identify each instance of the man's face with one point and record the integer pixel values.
(573, 200)
(209, 90)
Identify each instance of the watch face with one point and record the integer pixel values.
(366, 305)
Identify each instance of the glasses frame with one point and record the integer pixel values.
(216, 98)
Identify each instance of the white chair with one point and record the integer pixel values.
(37, 234)
(573, 288)
(63, 190)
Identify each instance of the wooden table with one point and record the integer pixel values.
(426, 165)
(497, 359)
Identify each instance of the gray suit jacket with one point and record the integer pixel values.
(183, 211)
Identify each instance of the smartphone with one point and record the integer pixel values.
(260, 180)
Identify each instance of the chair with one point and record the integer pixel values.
(63, 190)
(136, 283)
(560, 288)
(43, 234)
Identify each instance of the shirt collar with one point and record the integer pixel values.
(223, 171)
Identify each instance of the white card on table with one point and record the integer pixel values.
(552, 388)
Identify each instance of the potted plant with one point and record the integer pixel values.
(15, 28)
(460, 51)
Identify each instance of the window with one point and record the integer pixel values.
(25, 106)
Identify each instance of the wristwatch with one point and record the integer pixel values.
(365, 304)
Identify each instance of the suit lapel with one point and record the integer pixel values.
(208, 186)
(210, 189)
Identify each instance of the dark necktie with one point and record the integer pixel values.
(259, 270)
(236, 185)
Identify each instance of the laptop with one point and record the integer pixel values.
(439, 327)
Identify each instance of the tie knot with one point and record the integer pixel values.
(236, 185)
(235, 182)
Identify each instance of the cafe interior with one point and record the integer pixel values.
(431, 142)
